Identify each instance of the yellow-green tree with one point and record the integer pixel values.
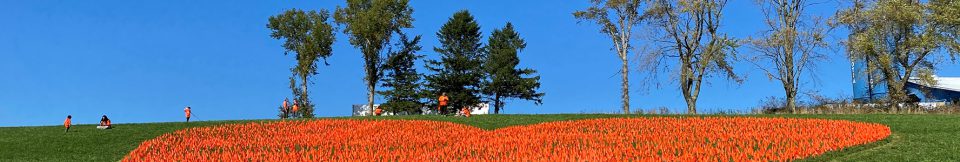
(900, 39)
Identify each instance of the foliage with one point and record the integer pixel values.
(617, 18)
(402, 77)
(459, 71)
(371, 24)
(310, 37)
(282, 114)
(900, 39)
(505, 81)
(692, 37)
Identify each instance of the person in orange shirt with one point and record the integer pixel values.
(443, 102)
(466, 111)
(296, 108)
(187, 112)
(286, 107)
(104, 123)
(66, 124)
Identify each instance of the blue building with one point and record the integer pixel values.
(867, 88)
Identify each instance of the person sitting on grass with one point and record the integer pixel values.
(66, 124)
(104, 123)
(466, 111)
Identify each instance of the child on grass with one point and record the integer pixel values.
(66, 124)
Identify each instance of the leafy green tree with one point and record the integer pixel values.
(900, 39)
(282, 114)
(401, 76)
(309, 36)
(458, 72)
(692, 37)
(790, 46)
(617, 19)
(505, 80)
(371, 24)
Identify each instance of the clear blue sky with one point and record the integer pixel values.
(143, 61)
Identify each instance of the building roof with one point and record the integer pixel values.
(945, 83)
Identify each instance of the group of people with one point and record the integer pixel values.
(105, 122)
(441, 105)
(288, 109)
(443, 99)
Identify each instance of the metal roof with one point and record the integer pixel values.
(945, 83)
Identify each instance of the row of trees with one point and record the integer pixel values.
(898, 39)
(467, 71)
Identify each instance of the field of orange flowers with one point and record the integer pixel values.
(616, 139)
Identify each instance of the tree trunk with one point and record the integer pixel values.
(691, 105)
(792, 102)
(625, 85)
(370, 90)
(496, 104)
(303, 95)
(790, 91)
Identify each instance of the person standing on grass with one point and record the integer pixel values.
(443, 102)
(286, 107)
(187, 112)
(296, 107)
(66, 124)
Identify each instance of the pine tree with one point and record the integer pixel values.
(402, 78)
(458, 72)
(505, 80)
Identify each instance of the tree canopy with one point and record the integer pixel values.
(401, 76)
(309, 36)
(458, 72)
(505, 80)
(899, 39)
(371, 24)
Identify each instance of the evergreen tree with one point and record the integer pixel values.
(402, 78)
(458, 72)
(505, 80)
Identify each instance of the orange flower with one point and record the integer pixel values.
(617, 139)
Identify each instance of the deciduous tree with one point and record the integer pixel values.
(617, 19)
(900, 39)
(692, 37)
(371, 24)
(309, 36)
(789, 46)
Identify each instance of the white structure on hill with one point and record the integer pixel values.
(364, 110)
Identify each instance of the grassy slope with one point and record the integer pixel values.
(915, 137)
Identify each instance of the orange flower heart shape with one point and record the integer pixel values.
(614, 139)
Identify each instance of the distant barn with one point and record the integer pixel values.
(868, 89)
